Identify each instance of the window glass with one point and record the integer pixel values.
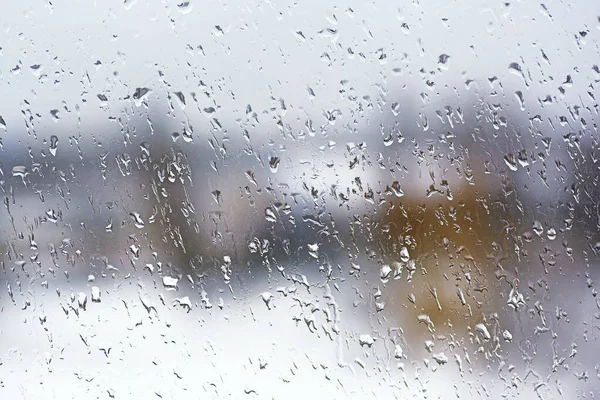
(275, 200)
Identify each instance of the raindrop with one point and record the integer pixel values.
(538, 228)
(184, 302)
(129, 3)
(366, 340)
(385, 273)
(217, 196)
(425, 319)
(388, 140)
(515, 299)
(267, 298)
(404, 256)
(429, 345)
(170, 283)
(510, 161)
(397, 189)
(274, 163)
(181, 99)
(137, 220)
(313, 250)
(398, 352)
(55, 115)
(270, 215)
(53, 144)
(20, 171)
(95, 294)
(481, 328)
(82, 300)
(185, 7)
(443, 61)
(140, 95)
(440, 358)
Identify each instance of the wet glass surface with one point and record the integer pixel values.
(299, 200)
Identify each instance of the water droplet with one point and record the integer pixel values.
(313, 250)
(270, 215)
(129, 3)
(82, 300)
(510, 161)
(267, 298)
(425, 319)
(388, 140)
(20, 171)
(185, 7)
(397, 189)
(527, 236)
(398, 352)
(137, 220)
(515, 299)
(53, 144)
(538, 228)
(274, 163)
(443, 61)
(366, 340)
(95, 294)
(429, 345)
(169, 282)
(385, 273)
(181, 99)
(140, 95)
(184, 302)
(55, 115)
(217, 196)
(404, 256)
(250, 177)
(440, 358)
(481, 328)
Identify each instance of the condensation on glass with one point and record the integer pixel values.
(275, 200)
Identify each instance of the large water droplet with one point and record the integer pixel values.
(270, 215)
(274, 163)
(170, 282)
(53, 144)
(366, 340)
(95, 294)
